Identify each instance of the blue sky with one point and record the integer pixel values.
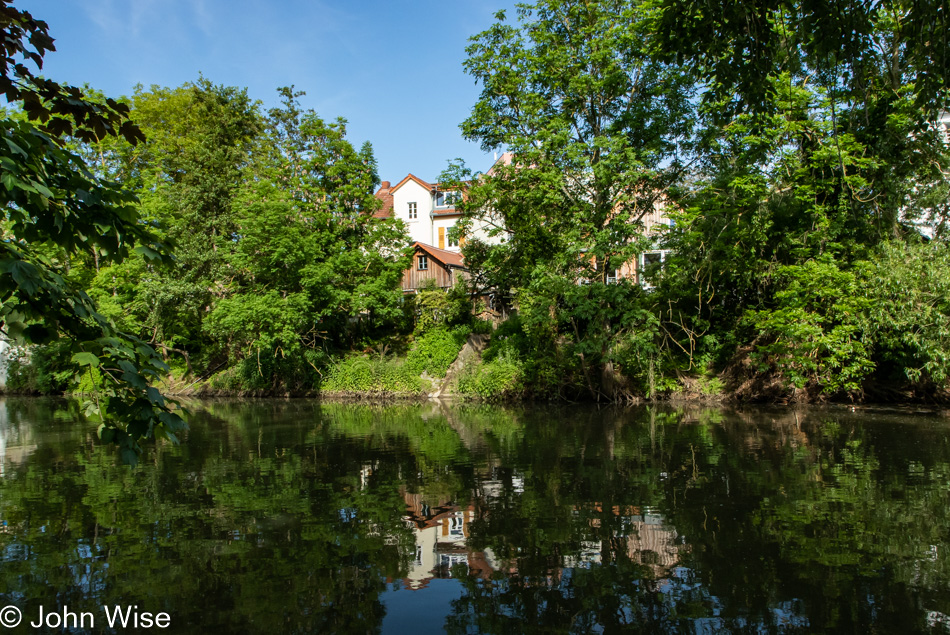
(392, 68)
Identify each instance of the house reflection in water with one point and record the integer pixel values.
(442, 532)
(642, 536)
(16, 440)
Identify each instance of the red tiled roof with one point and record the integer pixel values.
(385, 195)
(450, 258)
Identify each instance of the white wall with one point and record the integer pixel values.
(481, 229)
(425, 228)
(420, 228)
(447, 223)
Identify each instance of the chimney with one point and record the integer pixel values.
(384, 185)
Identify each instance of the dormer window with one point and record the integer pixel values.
(446, 199)
(413, 211)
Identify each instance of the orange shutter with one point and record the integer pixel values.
(462, 240)
(441, 237)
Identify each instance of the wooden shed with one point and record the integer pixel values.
(431, 263)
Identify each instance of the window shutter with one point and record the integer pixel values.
(441, 237)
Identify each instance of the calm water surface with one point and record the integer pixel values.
(301, 517)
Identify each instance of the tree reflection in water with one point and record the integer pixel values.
(306, 517)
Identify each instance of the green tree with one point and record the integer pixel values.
(202, 138)
(311, 269)
(596, 130)
(815, 145)
(54, 208)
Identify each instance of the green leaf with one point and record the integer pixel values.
(155, 396)
(106, 433)
(86, 359)
(148, 252)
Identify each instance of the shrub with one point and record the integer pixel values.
(908, 311)
(438, 309)
(430, 354)
(832, 327)
(496, 380)
(814, 333)
(360, 373)
(482, 327)
(43, 369)
(435, 351)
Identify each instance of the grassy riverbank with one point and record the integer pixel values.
(453, 362)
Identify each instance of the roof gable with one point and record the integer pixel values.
(411, 177)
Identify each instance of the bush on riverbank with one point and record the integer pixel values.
(428, 358)
(882, 325)
(39, 370)
(364, 374)
(433, 352)
(876, 330)
(497, 380)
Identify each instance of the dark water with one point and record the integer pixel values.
(297, 517)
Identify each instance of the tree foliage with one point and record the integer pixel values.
(792, 145)
(594, 127)
(280, 262)
(55, 209)
(308, 257)
(816, 148)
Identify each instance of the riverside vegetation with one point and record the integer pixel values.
(802, 167)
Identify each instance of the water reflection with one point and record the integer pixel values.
(305, 517)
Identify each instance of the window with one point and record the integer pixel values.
(650, 264)
(652, 261)
(446, 199)
(456, 525)
(453, 237)
(413, 211)
(423, 263)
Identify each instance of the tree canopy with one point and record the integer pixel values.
(55, 209)
(793, 148)
(691, 194)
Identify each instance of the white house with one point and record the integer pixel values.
(429, 212)
(4, 360)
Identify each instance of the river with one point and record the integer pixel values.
(308, 517)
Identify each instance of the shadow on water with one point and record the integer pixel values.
(301, 516)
